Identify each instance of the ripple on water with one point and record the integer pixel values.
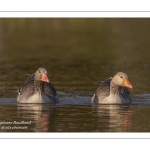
(81, 98)
(8, 101)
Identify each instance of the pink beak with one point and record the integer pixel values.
(45, 78)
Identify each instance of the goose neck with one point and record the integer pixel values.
(37, 85)
(114, 89)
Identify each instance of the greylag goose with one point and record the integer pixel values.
(37, 89)
(113, 91)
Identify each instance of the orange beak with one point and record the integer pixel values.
(45, 78)
(127, 83)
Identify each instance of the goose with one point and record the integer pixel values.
(37, 89)
(114, 91)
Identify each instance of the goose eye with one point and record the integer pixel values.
(121, 76)
(39, 71)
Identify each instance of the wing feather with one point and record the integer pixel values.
(104, 89)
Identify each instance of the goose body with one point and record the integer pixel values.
(37, 89)
(114, 91)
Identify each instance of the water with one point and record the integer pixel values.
(78, 54)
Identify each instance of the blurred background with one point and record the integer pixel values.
(78, 53)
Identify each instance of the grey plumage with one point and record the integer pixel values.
(109, 92)
(35, 91)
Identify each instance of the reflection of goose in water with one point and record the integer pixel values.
(113, 118)
(41, 115)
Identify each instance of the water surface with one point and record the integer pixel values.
(79, 54)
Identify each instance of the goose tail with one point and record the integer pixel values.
(92, 99)
(18, 89)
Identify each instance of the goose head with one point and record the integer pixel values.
(41, 75)
(121, 79)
